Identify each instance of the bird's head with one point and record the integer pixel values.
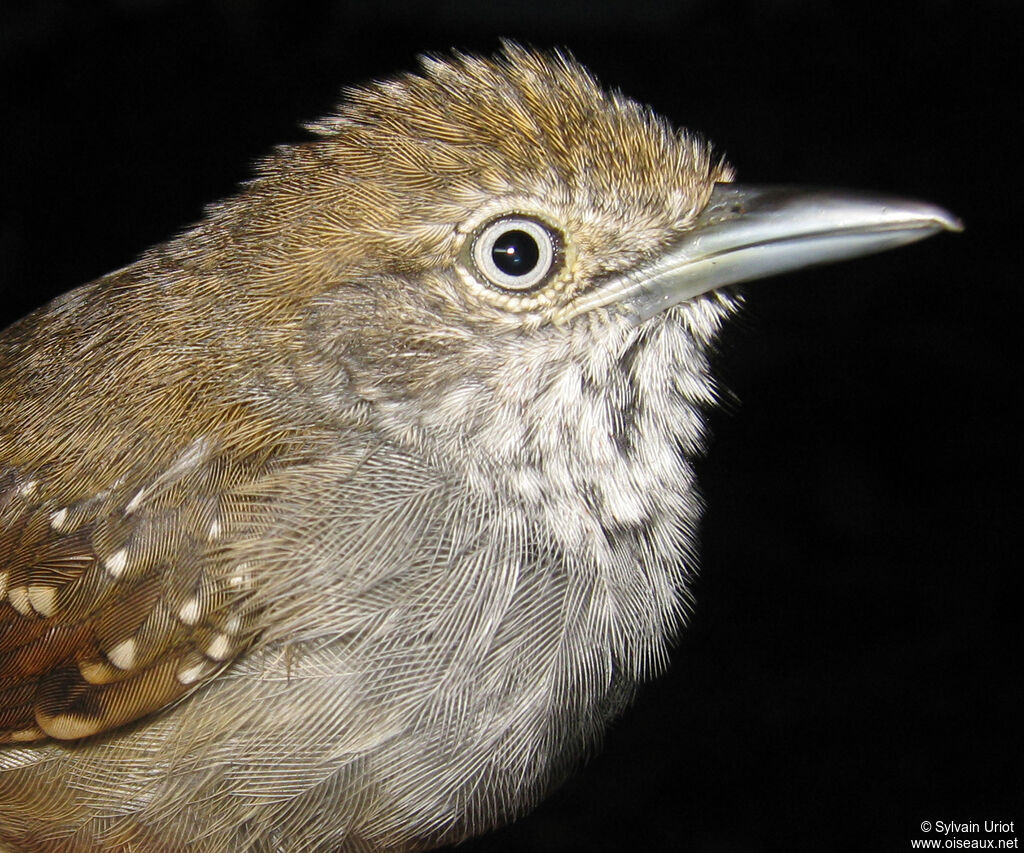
(496, 253)
(441, 238)
(475, 236)
(506, 188)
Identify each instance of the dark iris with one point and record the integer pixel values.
(515, 252)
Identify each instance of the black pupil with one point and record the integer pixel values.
(515, 252)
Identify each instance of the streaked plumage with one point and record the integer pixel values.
(400, 541)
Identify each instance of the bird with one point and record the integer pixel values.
(348, 518)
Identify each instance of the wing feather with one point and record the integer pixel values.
(119, 604)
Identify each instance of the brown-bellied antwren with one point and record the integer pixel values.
(347, 519)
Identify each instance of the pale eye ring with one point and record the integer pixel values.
(516, 253)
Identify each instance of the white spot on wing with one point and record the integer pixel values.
(123, 654)
(70, 727)
(116, 563)
(95, 671)
(43, 599)
(242, 578)
(190, 611)
(191, 674)
(19, 600)
(59, 519)
(219, 648)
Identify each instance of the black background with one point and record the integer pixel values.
(852, 668)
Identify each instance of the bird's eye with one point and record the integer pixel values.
(515, 253)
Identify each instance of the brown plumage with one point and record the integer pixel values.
(400, 529)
